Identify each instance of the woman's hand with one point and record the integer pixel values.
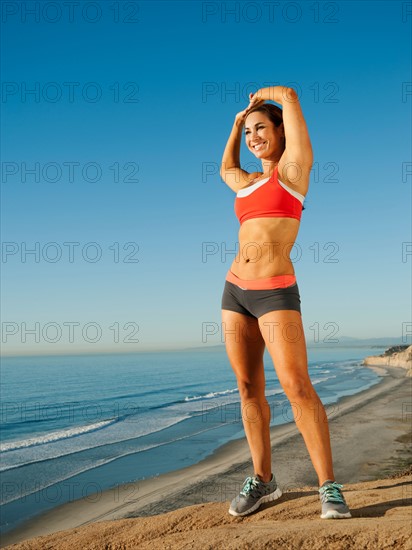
(257, 97)
(253, 101)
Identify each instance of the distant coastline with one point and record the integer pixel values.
(343, 342)
(340, 342)
(395, 356)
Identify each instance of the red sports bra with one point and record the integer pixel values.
(268, 198)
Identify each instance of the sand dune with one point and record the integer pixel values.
(382, 518)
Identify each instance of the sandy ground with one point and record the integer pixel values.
(371, 439)
(381, 519)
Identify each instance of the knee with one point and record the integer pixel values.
(250, 390)
(298, 390)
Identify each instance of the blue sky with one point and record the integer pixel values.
(133, 105)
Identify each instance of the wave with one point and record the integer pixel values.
(95, 464)
(211, 395)
(15, 460)
(55, 436)
(324, 379)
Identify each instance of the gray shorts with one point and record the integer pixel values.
(256, 303)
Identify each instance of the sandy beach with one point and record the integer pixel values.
(371, 442)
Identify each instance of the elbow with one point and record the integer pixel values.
(291, 95)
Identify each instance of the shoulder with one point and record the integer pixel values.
(294, 174)
(236, 178)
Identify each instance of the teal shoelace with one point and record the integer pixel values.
(250, 484)
(331, 493)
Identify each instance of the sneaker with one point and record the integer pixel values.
(254, 493)
(333, 502)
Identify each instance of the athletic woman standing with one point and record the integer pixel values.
(261, 301)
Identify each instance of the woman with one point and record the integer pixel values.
(261, 302)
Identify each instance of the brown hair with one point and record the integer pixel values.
(273, 112)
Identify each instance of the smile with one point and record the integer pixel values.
(259, 146)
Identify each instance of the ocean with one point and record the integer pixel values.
(74, 426)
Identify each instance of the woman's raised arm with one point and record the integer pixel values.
(297, 159)
(230, 170)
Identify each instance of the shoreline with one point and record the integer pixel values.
(219, 477)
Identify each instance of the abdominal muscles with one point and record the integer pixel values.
(265, 248)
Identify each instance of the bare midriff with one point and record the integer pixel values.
(265, 245)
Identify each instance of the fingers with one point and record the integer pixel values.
(254, 100)
(254, 97)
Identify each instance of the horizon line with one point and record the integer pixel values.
(348, 341)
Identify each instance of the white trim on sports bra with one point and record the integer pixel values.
(297, 195)
(246, 191)
(250, 188)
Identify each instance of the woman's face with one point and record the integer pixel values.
(263, 138)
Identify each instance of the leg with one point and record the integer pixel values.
(245, 348)
(284, 337)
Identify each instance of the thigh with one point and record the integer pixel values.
(245, 346)
(284, 337)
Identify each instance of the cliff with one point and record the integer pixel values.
(396, 356)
